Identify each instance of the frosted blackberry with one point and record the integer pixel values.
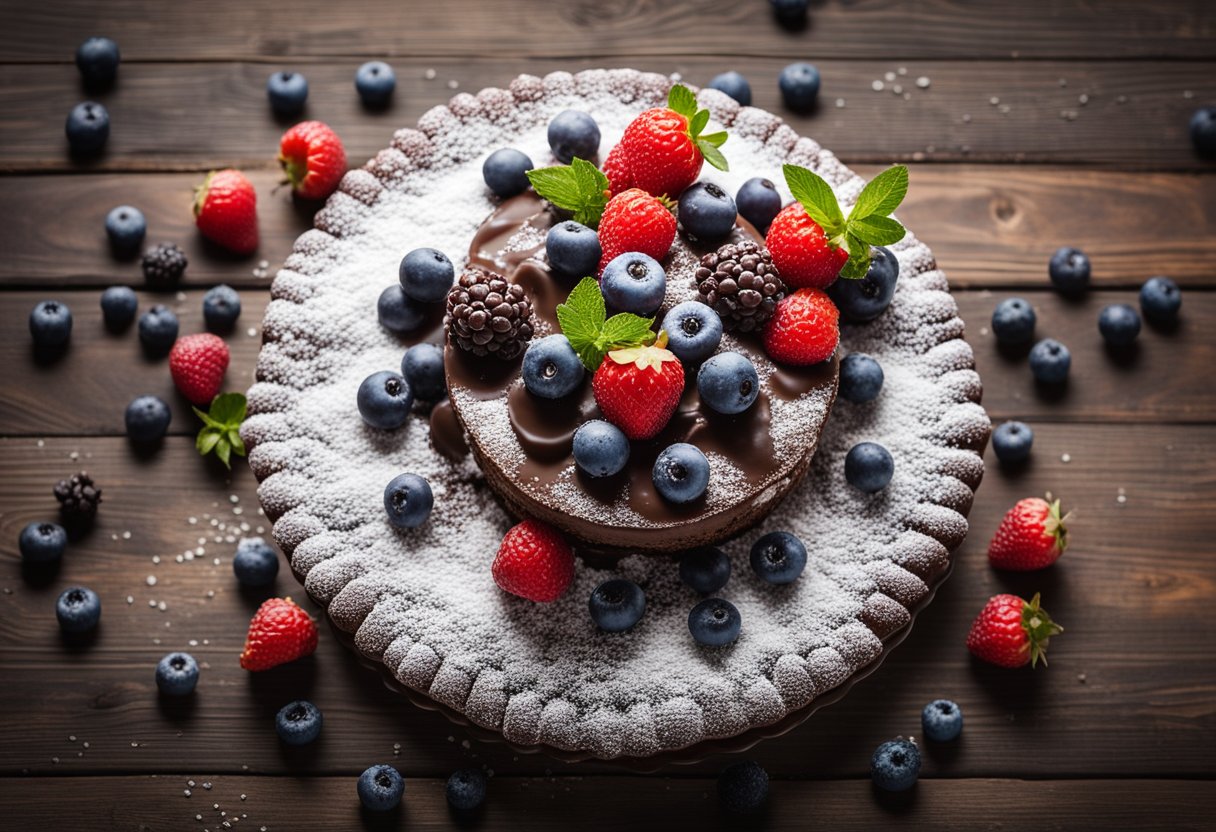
(164, 265)
(486, 315)
(741, 284)
(78, 496)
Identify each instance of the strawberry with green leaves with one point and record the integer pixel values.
(221, 431)
(1010, 632)
(813, 243)
(1032, 535)
(663, 148)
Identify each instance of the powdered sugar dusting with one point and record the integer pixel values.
(423, 600)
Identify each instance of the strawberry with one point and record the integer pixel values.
(280, 632)
(313, 158)
(226, 211)
(638, 388)
(534, 561)
(1031, 536)
(1011, 632)
(804, 329)
(663, 148)
(812, 242)
(197, 364)
(616, 168)
(634, 220)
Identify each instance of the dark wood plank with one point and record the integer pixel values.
(1142, 565)
(869, 28)
(988, 225)
(201, 116)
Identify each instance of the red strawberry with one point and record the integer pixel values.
(663, 148)
(197, 364)
(1011, 632)
(226, 211)
(1031, 536)
(634, 220)
(804, 329)
(280, 632)
(534, 561)
(616, 168)
(801, 251)
(313, 158)
(638, 388)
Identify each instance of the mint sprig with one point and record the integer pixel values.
(585, 323)
(220, 432)
(680, 99)
(868, 224)
(579, 187)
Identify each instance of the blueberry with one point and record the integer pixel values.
(573, 133)
(865, 299)
(1049, 361)
(125, 228)
(681, 473)
(1203, 131)
(42, 542)
(634, 282)
(177, 674)
(299, 723)
(706, 570)
(465, 790)
(714, 622)
(426, 275)
(375, 82)
(706, 211)
(1119, 324)
(51, 323)
(790, 13)
(158, 329)
(1011, 442)
(733, 84)
(1160, 300)
(97, 59)
(422, 368)
(1069, 270)
(287, 91)
(255, 563)
(87, 128)
(118, 307)
(743, 787)
(895, 765)
(799, 85)
(600, 448)
(1013, 321)
(694, 331)
(384, 400)
(552, 368)
(941, 721)
(728, 383)
(380, 788)
(147, 419)
(506, 172)
(408, 501)
(860, 378)
(778, 557)
(758, 202)
(397, 312)
(573, 249)
(78, 610)
(868, 467)
(221, 308)
(616, 605)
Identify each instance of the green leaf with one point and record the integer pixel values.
(581, 318)
(876, 230)
(816, 197)
(713, 155)
(223, 450)
(697, 123)
(207, 420)
(206, 441)
(682, 101)
(579, 187)
(882, 194)
(625, 330)
(716, 139)
(220, 432)
(858, 263)
(238, 444)
(228, 408)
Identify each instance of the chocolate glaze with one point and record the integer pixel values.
(447, 436)
(511, 242)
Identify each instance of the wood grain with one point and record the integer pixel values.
(202, 116)
(1142, 563)
(988, 225)
(231, 29)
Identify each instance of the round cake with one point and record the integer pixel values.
(422, 602)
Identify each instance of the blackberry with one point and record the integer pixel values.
(164, 265)
(78, 496)
(741, 284)
(486, 315)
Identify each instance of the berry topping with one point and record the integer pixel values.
(706, 212)
(279, 632)
(740, 283)
(422, 367)
(778, 558)
(638, 388)
(1011, 442)
(681, 473)
(298, 723)
(1032, 535)
(147, 419)
(398, 312)
(255, 562)
(1050, 361)
(1013, 321)
(758, 202)
(799, 85)
(616, 169)
(705, 570)
(221, 430)
(158, 329)
(574, 134)
(860, 378)
(534, 561)
(895, 765)
(1119, 325)
(634, 282)
(715, 622)
(1010, 632)
(868, 467)
(584, 321)
(600, 448)
(287, 92)
(313, 159)
(125, 228)
(579, 187)
(664, 147)
(118, 307)
(384, 400)
(693, 331)
(573, 250)
(743, 787)
(78, 496)
(506, 171)
(486, 315)
(78, 610)
(728, 383)
(51, 324)
(1069, 271)
(733, 84)
(941, 721)
(465, 790)
(804, 329)
(408, 501)
(375, 82)
(197, 364)
(616, 605)
(634, 221)
(226, 211)
(163, 265)
(1160, 300)
(221, 308)
(868, 297)
(177, 674)
(552, 368)
(42, 542)
(87, 128)
(380, 788)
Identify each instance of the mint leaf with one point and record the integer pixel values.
(625, 330)
(712, 155)
(858, 263)
(697, 123)
(220, 432)
(579, 187)
(877, 230)
(582, 319)
(681, 100)
(716, 139)
(816, 197)
(882, 194)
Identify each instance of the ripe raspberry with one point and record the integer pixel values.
(804, 329)
(280, 632)
(534, 561)
(197, 364)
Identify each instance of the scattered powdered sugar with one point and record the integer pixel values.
(423, 601)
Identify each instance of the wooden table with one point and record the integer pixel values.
(1046, 122)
